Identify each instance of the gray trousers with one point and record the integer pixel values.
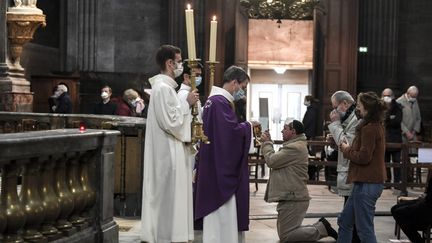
(290, 218)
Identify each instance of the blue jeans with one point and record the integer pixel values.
(360, 209)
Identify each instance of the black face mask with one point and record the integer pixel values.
(350, 110)
(357, 113)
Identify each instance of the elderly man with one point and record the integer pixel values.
(64, 103)
(342, 128)
(411, 118)
(287, 185)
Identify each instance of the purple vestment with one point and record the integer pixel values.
(222, 169)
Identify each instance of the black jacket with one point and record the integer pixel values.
(393, 121)
(64, 104)
(105, 109)
(310, 121)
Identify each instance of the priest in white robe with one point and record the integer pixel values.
(167, 202)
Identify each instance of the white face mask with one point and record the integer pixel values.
(307, 103)
(387, 99)
(179, 70)
(240, 94)
(104, 95)
(198, 81)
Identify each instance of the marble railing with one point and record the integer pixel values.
(129, 150)
(66, 188)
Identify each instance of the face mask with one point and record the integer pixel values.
(387, 99)
(240, 94)
(135, 101)
(179, 70)
(307, 103)
(412, 99)
(198, 81)
(341, 113)
(357, 113)
(104, 95)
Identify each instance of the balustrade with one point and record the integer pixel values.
(128, 160)
(56, 200)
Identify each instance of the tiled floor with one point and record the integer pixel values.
(263, 216)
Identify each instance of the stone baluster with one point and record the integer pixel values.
(2, 212)
(31, 201)
(49, 200)
(15, 215)
(87, 162)
(75, 187)
(64, 197)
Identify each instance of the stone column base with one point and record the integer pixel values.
(16, 101)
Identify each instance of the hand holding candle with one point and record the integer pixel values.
(213, 38)
(190, 33)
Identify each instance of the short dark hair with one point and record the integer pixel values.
(235, 73)
(187, 70)
(109, 88)
(164, 53)
(297, 126)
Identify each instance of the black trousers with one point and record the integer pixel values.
(413, 216)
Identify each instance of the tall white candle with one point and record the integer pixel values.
(190, 33)
(213, 38)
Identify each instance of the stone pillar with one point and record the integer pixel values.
(19, 24)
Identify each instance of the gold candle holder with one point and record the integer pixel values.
(212, 67)
(196, 126)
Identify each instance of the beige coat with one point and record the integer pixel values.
(411, 118)
(288, 175)
(340, 132)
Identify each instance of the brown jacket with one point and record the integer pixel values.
(367, 155)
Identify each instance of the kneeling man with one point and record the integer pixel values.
(287, 185)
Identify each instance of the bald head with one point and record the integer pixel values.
(387, 92)
(412, 92)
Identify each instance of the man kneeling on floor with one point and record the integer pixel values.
(287, 185)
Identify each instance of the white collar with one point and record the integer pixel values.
(185, 87)
(164, 78)
(220, 91)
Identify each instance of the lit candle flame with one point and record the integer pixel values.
(188, 6)
(214, 17)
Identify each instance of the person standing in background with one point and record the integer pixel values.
(64, 103)
(393, 119)
(411, 117)
(310, 118)
(311, 122)
(106, 106)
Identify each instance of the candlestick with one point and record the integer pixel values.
(190, 32)
(196, 126)
(213, 38)
(212, 67)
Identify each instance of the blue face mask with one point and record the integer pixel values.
(198, 81)
(239, 94)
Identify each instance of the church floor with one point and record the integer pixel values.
(263, 216)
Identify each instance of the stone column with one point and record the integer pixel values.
(19, 24)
